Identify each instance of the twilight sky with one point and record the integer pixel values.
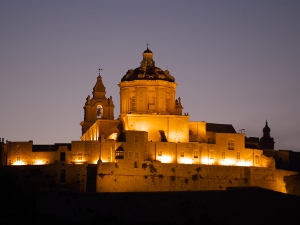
(235, 62)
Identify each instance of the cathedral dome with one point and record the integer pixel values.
(147, 51)
(148, 70)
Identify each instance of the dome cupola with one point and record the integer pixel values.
(148, 70)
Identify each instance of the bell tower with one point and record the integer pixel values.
(98, 107)
(266, 141)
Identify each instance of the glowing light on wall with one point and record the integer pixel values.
(211, 161)
(185, 160)
(113, 136)
(39, 162)
(227, 162)
(243, 163)
(95, 136)
(165, 159)
(18, 163)
(78, 162)
(207, 161)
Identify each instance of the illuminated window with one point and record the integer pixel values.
(130, 154)
(18, 158)
(119, 153)
(159, 153)
(99, 111)
(223, 155)
(256, 159)
(136, 155)
(181, 154)
(196, 153)
(135, 165)
(230, 144)
(238, 156)
(136, 138)
(80, 156)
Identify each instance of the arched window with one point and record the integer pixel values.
(99, 111)
(230, 144)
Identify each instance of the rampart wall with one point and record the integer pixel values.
(156, 176)
(43, 177)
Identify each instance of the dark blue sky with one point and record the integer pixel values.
(235, 62)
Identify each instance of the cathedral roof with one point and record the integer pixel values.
(147, 50)
(148, 70)
(220, 128)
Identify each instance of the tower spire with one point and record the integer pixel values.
(99, 71)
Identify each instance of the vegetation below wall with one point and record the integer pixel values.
(234, 206)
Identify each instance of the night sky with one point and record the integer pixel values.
(235, 62)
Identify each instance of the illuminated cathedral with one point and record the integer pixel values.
(152, 145)
(151, 115)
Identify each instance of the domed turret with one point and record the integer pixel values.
(148, 70)
(148, 90)
(266, 141)
(266, 130)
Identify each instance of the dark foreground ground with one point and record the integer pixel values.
(234, 206)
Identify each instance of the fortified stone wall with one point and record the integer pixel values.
(114, 177)
(262, 177)
(288, 182)
(41, 177)
(155, 176)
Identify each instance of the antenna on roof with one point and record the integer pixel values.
(147, 44)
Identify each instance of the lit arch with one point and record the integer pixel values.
(99, 111)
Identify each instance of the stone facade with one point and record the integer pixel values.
(45, 177)
(157, 176)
